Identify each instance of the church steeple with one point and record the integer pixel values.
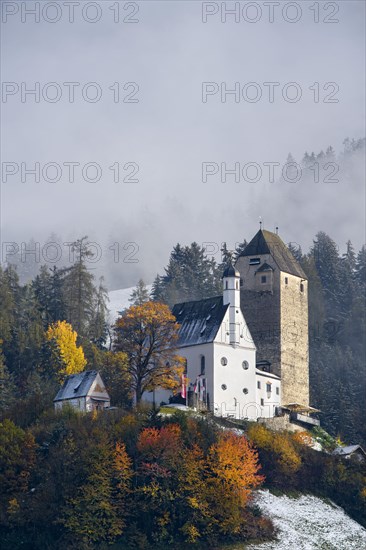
(231, 297)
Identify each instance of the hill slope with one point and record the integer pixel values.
(308, 523)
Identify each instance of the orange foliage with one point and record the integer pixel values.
(235, 463)
(148, 334)
(162, 446)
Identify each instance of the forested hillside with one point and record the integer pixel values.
(337, 290)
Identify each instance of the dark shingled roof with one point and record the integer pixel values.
(265, 242)
(76, 385)
(199, 321)
(230, 271)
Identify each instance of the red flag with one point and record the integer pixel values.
(183, 392)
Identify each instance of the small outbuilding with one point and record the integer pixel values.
(84, 391)
(355, 452)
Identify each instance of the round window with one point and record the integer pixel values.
(223, 361)
(223, 386)
(245, 365)
(245, 390)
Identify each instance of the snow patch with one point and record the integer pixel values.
(118, 301)
(308, 523)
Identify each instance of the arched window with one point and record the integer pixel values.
(226, 285)
(203, 364)
(236, 285)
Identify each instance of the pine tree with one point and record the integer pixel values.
(157, 290)
(239, 249)
(98, 327)
(79, 290)
(140, 294)
(190, 275)
(7, 387)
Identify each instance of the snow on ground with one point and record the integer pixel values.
(118, 300)
(308, 523)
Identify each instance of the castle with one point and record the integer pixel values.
(274, 300)
(247, 351)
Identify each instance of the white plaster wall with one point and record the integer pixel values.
(232, 400)
(271, 399)
(245, 338)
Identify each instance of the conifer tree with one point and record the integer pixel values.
(140, 294)
(239, 249)
(79, 289)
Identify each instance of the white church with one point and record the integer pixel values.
(247, 351)
(221, 357)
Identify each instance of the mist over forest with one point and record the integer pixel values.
(124, 251)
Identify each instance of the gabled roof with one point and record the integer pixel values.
(77, 385)
(265, 242)
(264, 267)
(350, 449)
(200, 320)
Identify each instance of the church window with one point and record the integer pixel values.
(277, 391)
(263, 279)
(223, 386)
(245, 365)
(286, 280)
(203, 364)
(259, 385)
(226, 285)
(301, 287)
(262, 402)
(223, 361)
(269, 387)
(236, 285)
(245, 390)
(254, 261)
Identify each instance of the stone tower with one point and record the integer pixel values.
(274, 300)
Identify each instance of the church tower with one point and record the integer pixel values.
(274, 300)
(231, 296)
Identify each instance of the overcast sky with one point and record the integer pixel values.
(169, 131)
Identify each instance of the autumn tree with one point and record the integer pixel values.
(148, 334)
(67, 358)
(233, 465)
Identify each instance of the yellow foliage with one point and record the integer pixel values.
(13, 507)
(280, 445)
(234, 462)
(148, 334)
(69, 357)
(260, 436)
